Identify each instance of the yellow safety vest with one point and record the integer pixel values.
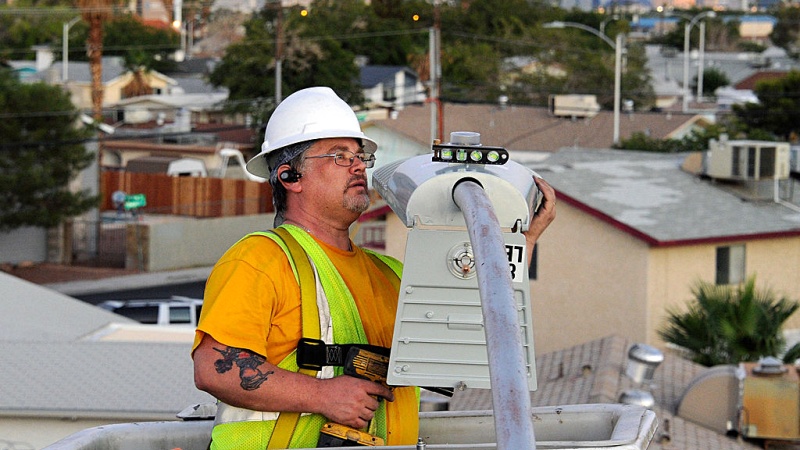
(325, 301)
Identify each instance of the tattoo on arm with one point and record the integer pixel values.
(249, 373)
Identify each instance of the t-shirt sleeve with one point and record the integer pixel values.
(243, 302)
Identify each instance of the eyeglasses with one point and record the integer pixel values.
(346, 158)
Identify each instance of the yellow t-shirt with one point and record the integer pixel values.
(252, 301)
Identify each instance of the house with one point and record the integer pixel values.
(68, 366)
(524, 128)
(636, 230)
(391, 86)
(666, 68)
(750, 82)
(116, 77)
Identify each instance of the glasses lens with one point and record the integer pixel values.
(345, 158)
(368, 158)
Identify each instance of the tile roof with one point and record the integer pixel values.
(593, 372)
(751, 81)
(532, 128)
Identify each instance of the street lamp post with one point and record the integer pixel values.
(700, 58)
(65, 49)
(686, 33)
(617, 45)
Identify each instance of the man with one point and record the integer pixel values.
(245, 351)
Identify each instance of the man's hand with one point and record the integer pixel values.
(543, 217)
(352, 401)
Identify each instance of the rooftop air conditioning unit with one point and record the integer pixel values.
(747, 160)
(574, 105)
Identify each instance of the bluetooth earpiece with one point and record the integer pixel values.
(290, 176)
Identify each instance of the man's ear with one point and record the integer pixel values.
(288, 176)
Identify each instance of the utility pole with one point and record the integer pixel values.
(279, 54)
(437, 114)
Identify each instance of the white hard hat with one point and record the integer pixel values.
(308, 114)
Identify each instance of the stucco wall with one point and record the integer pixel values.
(185, 243)
(591, 282)
(23, 244)
(674, 271)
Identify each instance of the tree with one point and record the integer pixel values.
(786, 34)
(713, 78)
(41, 151)
(731, 324)
(696, 141)
(309, 58)
(95, 12)
(778, 110)
(140, 45)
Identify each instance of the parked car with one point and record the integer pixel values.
(173, 311)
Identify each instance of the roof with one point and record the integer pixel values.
(194, 102)
(372, 76)
(737, 66)
(80, 71)
(102, 368)
(34, 313)
(533, 128)
(593, 372)
(751, 81)
(649, 196)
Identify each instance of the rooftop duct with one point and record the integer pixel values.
(637, 397)
(642, 362)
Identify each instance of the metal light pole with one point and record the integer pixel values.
(618, 49)
(686, 33)
(700, 63)
(65, 49)
(606, 21)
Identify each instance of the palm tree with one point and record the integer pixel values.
(731, 324)
(95, 12)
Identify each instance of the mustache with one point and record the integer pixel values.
(357, 178)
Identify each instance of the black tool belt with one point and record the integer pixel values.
(314, 354)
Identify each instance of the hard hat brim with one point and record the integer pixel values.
(258, 164)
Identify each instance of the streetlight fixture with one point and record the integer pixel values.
(686, 33)
(65, 49)
(617, 46)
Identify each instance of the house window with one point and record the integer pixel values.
(532, 266)
(388, 93)
(730, 264)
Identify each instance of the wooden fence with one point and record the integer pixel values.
(189, 196)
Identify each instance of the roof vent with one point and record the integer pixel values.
(642, 362)
(769, 366)
(637, 397)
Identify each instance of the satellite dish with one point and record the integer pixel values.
(118, 197)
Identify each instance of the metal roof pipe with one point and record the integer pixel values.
(507, 371)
